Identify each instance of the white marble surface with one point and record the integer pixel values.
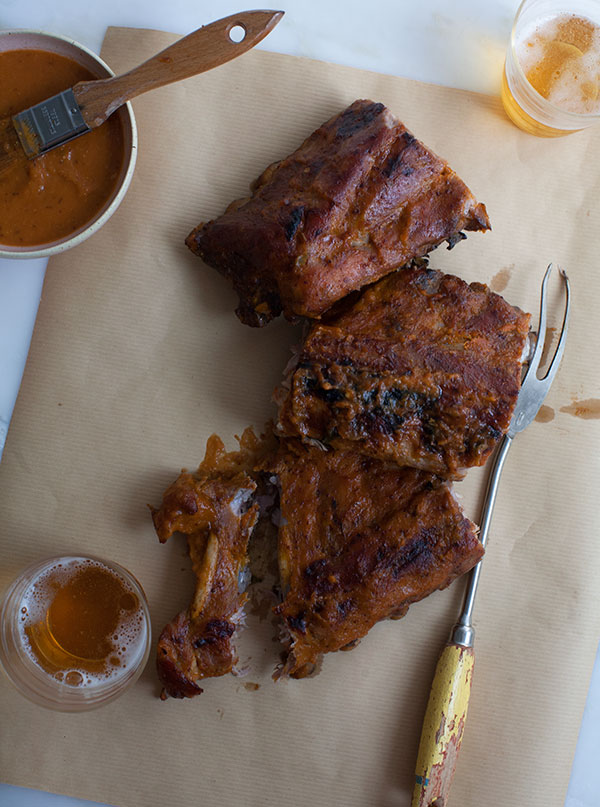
(459, 43)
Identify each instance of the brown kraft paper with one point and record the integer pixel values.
(137, 357)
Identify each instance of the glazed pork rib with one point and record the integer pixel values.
(359, 198)
(359, 541)
(422, 370)
(213, 508)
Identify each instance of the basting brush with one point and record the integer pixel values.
(78, 110)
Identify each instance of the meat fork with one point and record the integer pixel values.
(446, 712)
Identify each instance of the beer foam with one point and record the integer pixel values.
(569, 89)
(575, 83)
(128, 640)
(530, 50)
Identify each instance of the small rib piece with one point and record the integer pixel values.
(359, 198)
(423, 370)
(359, 541)
(213, 508)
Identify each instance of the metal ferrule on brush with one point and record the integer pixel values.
(49, 124)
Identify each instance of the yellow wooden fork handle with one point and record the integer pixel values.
(443, 726)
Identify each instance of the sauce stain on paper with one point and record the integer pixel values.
(500, 280)
(251, 686)
(588, 409)
(545, 415)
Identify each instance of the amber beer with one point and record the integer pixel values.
(74, 632)
(551, 81)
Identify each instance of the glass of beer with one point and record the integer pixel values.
(74, 632)
(551, 81)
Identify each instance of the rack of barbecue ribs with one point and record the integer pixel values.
(359, 541)
(406, 377)
(214, 507)
(422, 370)
(360, 198)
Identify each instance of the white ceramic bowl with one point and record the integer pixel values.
(38, 40)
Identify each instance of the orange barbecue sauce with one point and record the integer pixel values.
(54, 195)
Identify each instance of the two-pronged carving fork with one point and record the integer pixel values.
(449, 698)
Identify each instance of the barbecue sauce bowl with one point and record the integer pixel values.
(61, 198)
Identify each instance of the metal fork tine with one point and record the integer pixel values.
(534, 389)
(551, 372)
(541, 335)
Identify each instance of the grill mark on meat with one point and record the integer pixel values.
(391, 165)
(396, 161)
(294, 222)
(213, 631)
(355, 118)
(330, 395)
(297, 623)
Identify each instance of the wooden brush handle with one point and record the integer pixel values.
(443, 726)
(201, 50)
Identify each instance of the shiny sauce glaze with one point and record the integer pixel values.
(56, 194)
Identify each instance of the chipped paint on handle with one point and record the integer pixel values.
(443, 726)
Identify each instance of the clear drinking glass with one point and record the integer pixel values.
(545, 51)
(74, 632)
